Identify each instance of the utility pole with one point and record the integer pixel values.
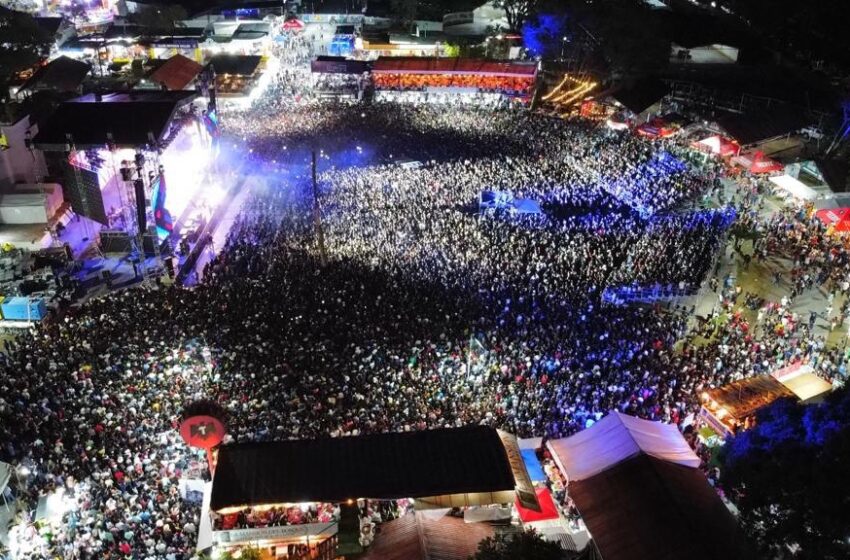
(317, 215)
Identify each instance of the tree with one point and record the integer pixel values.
(23, 44)
(787, 475)
(404, 10)
(244, 553)
(516, 11)
(160, 18)
(631, 36)
(528, 545)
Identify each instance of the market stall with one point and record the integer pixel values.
(838, 219)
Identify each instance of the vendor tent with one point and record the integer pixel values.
(757, 162)
(803, 382)
(293, 24)
(794, 187)
(718, 145)
(837, 218)
(548, 510)
(616, 438)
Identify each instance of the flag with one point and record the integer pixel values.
(161, 216)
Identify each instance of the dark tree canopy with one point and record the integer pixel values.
(788, 476)
(160, 17)
(528, 545)
(22, 44)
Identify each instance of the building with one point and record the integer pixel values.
(436, 469)
(734, 406)
(639, 490)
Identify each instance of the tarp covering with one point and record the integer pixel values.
(420, 65)
(177, 72)
(615, 438)
(547, 508)
(532, 465)
(742, 398)
(838, 218)
(648, 508)
(718, 145)
(5, 475)
(803, 381)
(794, 187)
(383, 466)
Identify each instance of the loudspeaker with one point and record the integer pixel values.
(141, 205)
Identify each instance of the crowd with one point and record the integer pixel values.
(419, 312)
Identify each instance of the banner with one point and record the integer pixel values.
(276, 533)
(525, 492)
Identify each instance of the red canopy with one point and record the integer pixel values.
(718, 145)
(839, 218)
(547, 508)
(293, 25)
(763, 164)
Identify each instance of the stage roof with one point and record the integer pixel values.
(176, 73)
(128, 116)
(420, 65)
(236, 64)
(615, 438)
(758, 127)
(427, 463)
(742, 398)
(648, 508)
(62, 74)
(642, 95)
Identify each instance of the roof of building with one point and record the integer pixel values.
(63, 74)
(177, 72)
(649, 508)
(427, 463)
(50, 25)
(418, 536)
(752, 128)
(236, 64)
(616, 438)
(129, 117)
(641, 95)
(420, 65)
(743, 398)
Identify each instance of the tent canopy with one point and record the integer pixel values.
(615, 438)
(757, 162)
(795, 187)
(838, 218)
(5, 475)
(420, 65)
(648, 508)
(718, 145)
(547, 511)
(532, 465)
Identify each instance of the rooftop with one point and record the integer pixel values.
(419, 464)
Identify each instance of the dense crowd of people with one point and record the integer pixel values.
(417, 312)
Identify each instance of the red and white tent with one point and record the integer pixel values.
(293, 25)
(838, 218)
(717, 145)
(757, 162)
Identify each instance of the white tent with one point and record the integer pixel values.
(795, 187)
(615, 438)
